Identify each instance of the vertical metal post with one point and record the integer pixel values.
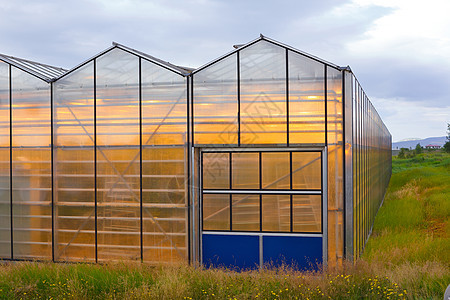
(326, 104)
(189, 174)
(52, 172)
(141, 236)
(238, 61)
(291, 202)
(287, 97)
(260, 187)
(325, 207)
(95, 160)
(344, 181)
(11, 161)
(230, 156)
(325, 174)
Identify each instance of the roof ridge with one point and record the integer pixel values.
(184, 70)
(42, 71)
(261, 37)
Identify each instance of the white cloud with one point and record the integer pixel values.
(406, 119)
(418, 30)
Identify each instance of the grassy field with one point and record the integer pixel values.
(410, 242)
(407, 257)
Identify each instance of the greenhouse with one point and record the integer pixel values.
(266, 155)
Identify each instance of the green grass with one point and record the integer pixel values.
(410, 240)
(407, 256)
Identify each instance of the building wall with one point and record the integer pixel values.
(120, 161)
(130, 138)
(371, 165)
(265, 95)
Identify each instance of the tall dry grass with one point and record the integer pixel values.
(29, 280)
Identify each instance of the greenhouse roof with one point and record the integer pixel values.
(42, 71)
(184, 71)
(264, 38)
(50, 73)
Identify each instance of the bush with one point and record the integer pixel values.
(447, 147)
(418, 149)
(406, 153)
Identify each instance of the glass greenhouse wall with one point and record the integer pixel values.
(120, 160)
(265, 155)
(371, 154)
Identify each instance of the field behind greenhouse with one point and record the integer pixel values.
(407, 256)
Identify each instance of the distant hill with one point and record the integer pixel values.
(412, 143)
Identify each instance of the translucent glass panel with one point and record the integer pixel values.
(263, 173)
(276, 172)
(31, 167)
(215, 104)
(306, 170)
(307, 213)
(245, 213)
(306, 100)
(74, 169)
(259, 86)
(335, 167)
(164, 108)
(263, 94)
(245, 170)
(216, 212)
(5, 209)
(276, 213)
(164, 164)
(216, 170)
(118, 166)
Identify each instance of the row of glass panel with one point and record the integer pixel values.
(371, 165)
(262, 170)
(262, 94)
(97, 191)
(266, 213)
(335, 167)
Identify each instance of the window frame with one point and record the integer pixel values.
(260, 191)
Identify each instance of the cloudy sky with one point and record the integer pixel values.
(398, 49)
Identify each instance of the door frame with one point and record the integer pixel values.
(198, 201)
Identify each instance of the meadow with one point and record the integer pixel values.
(406, 257)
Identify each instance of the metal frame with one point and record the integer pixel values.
(357, 130)
(264, 38)
(44, 72)
(141, 219)
(10, 162)
(95, 160)
(324, 199)
(260, 191)
(325, 206)
(52, 171)
(286, 58)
